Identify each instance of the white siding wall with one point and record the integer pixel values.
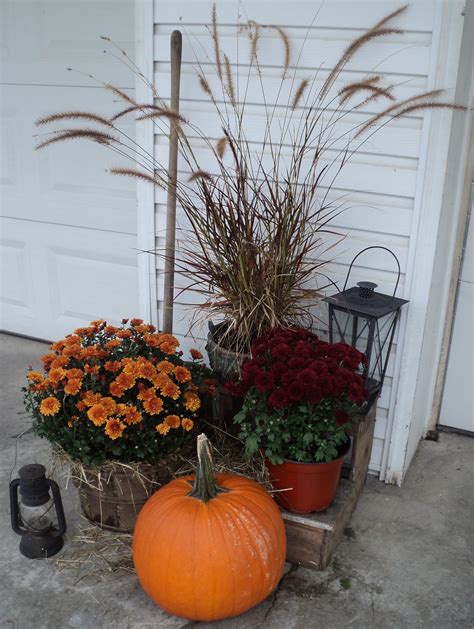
(383, 179)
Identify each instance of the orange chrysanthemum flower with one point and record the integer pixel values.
(91, 368)
(171, 390)
(164, 366)
(122, 409)
(40, 386)
(168, 348)
(82, 331)
(133, 416)
(35, 376)
(182, 374)
(141, 329)
(162, 428)
(124, 334)
(116, 390)
(110, 329)
(73, 386)
(131, 368)
(196, 354)
(152, 340)
(71, 351)
(113, 343)
(58, 346)
(56, 375)
(125, 380)
(112, 365)
(147, 370)
(50, 406)
(172, 421)
(89, 398)
(81, 406)
(71, 421)
(153, 406)
(191, 402)
(161, 380)
(59, 361)
(134, 322)
(72, 340)
(47, 359)
(74, 374)
(109, 404)
(97, 323)
(187, 424)
(146, 394)
(97, 414)
(114, 428)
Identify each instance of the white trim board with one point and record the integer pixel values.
(418, 361)
(145, 193)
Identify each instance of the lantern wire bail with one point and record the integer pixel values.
(367, 249)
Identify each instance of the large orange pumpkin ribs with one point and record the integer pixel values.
(212, 551)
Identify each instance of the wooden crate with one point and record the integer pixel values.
(312, 538)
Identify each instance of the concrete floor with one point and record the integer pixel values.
(405, 561)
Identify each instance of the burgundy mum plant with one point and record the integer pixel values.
(301, 396)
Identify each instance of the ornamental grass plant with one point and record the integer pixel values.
(301, 396)
(259, 232)
(111, 393)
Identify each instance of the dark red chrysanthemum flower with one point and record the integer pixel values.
(278, 399)
(282, 350)
(264, 381)
(296, 391)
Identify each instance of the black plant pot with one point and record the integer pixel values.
(225, 363)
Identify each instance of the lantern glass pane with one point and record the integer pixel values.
(371, 336)
(38, 519)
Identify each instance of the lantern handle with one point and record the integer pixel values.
(14, 512)
(367, 249)
(58, 503)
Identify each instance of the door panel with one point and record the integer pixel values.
(55, 277)
(457, 408)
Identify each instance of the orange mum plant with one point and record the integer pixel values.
(116, 393)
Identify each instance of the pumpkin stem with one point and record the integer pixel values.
(205, 486)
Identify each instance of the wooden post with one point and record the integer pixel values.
(168, 293)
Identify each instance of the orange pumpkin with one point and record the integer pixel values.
(209, 547)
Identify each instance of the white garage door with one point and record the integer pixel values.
(67, 228)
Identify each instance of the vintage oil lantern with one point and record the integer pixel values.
(367, 320)
(34, 511)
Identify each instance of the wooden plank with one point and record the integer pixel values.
(396, 54)
(329, 14)
(365, 173)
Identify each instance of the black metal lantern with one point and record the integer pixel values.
(32, 512)
(367, 320)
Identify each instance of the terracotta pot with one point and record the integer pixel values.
(310, 486)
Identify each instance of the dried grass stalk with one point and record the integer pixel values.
(215, 39)
(137, 174)
(200, 174)
(73, 115)
(221, 147)
(229, 81)
(299, 93)
(287, 48)
(73, 134)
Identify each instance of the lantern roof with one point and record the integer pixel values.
(376, 306)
